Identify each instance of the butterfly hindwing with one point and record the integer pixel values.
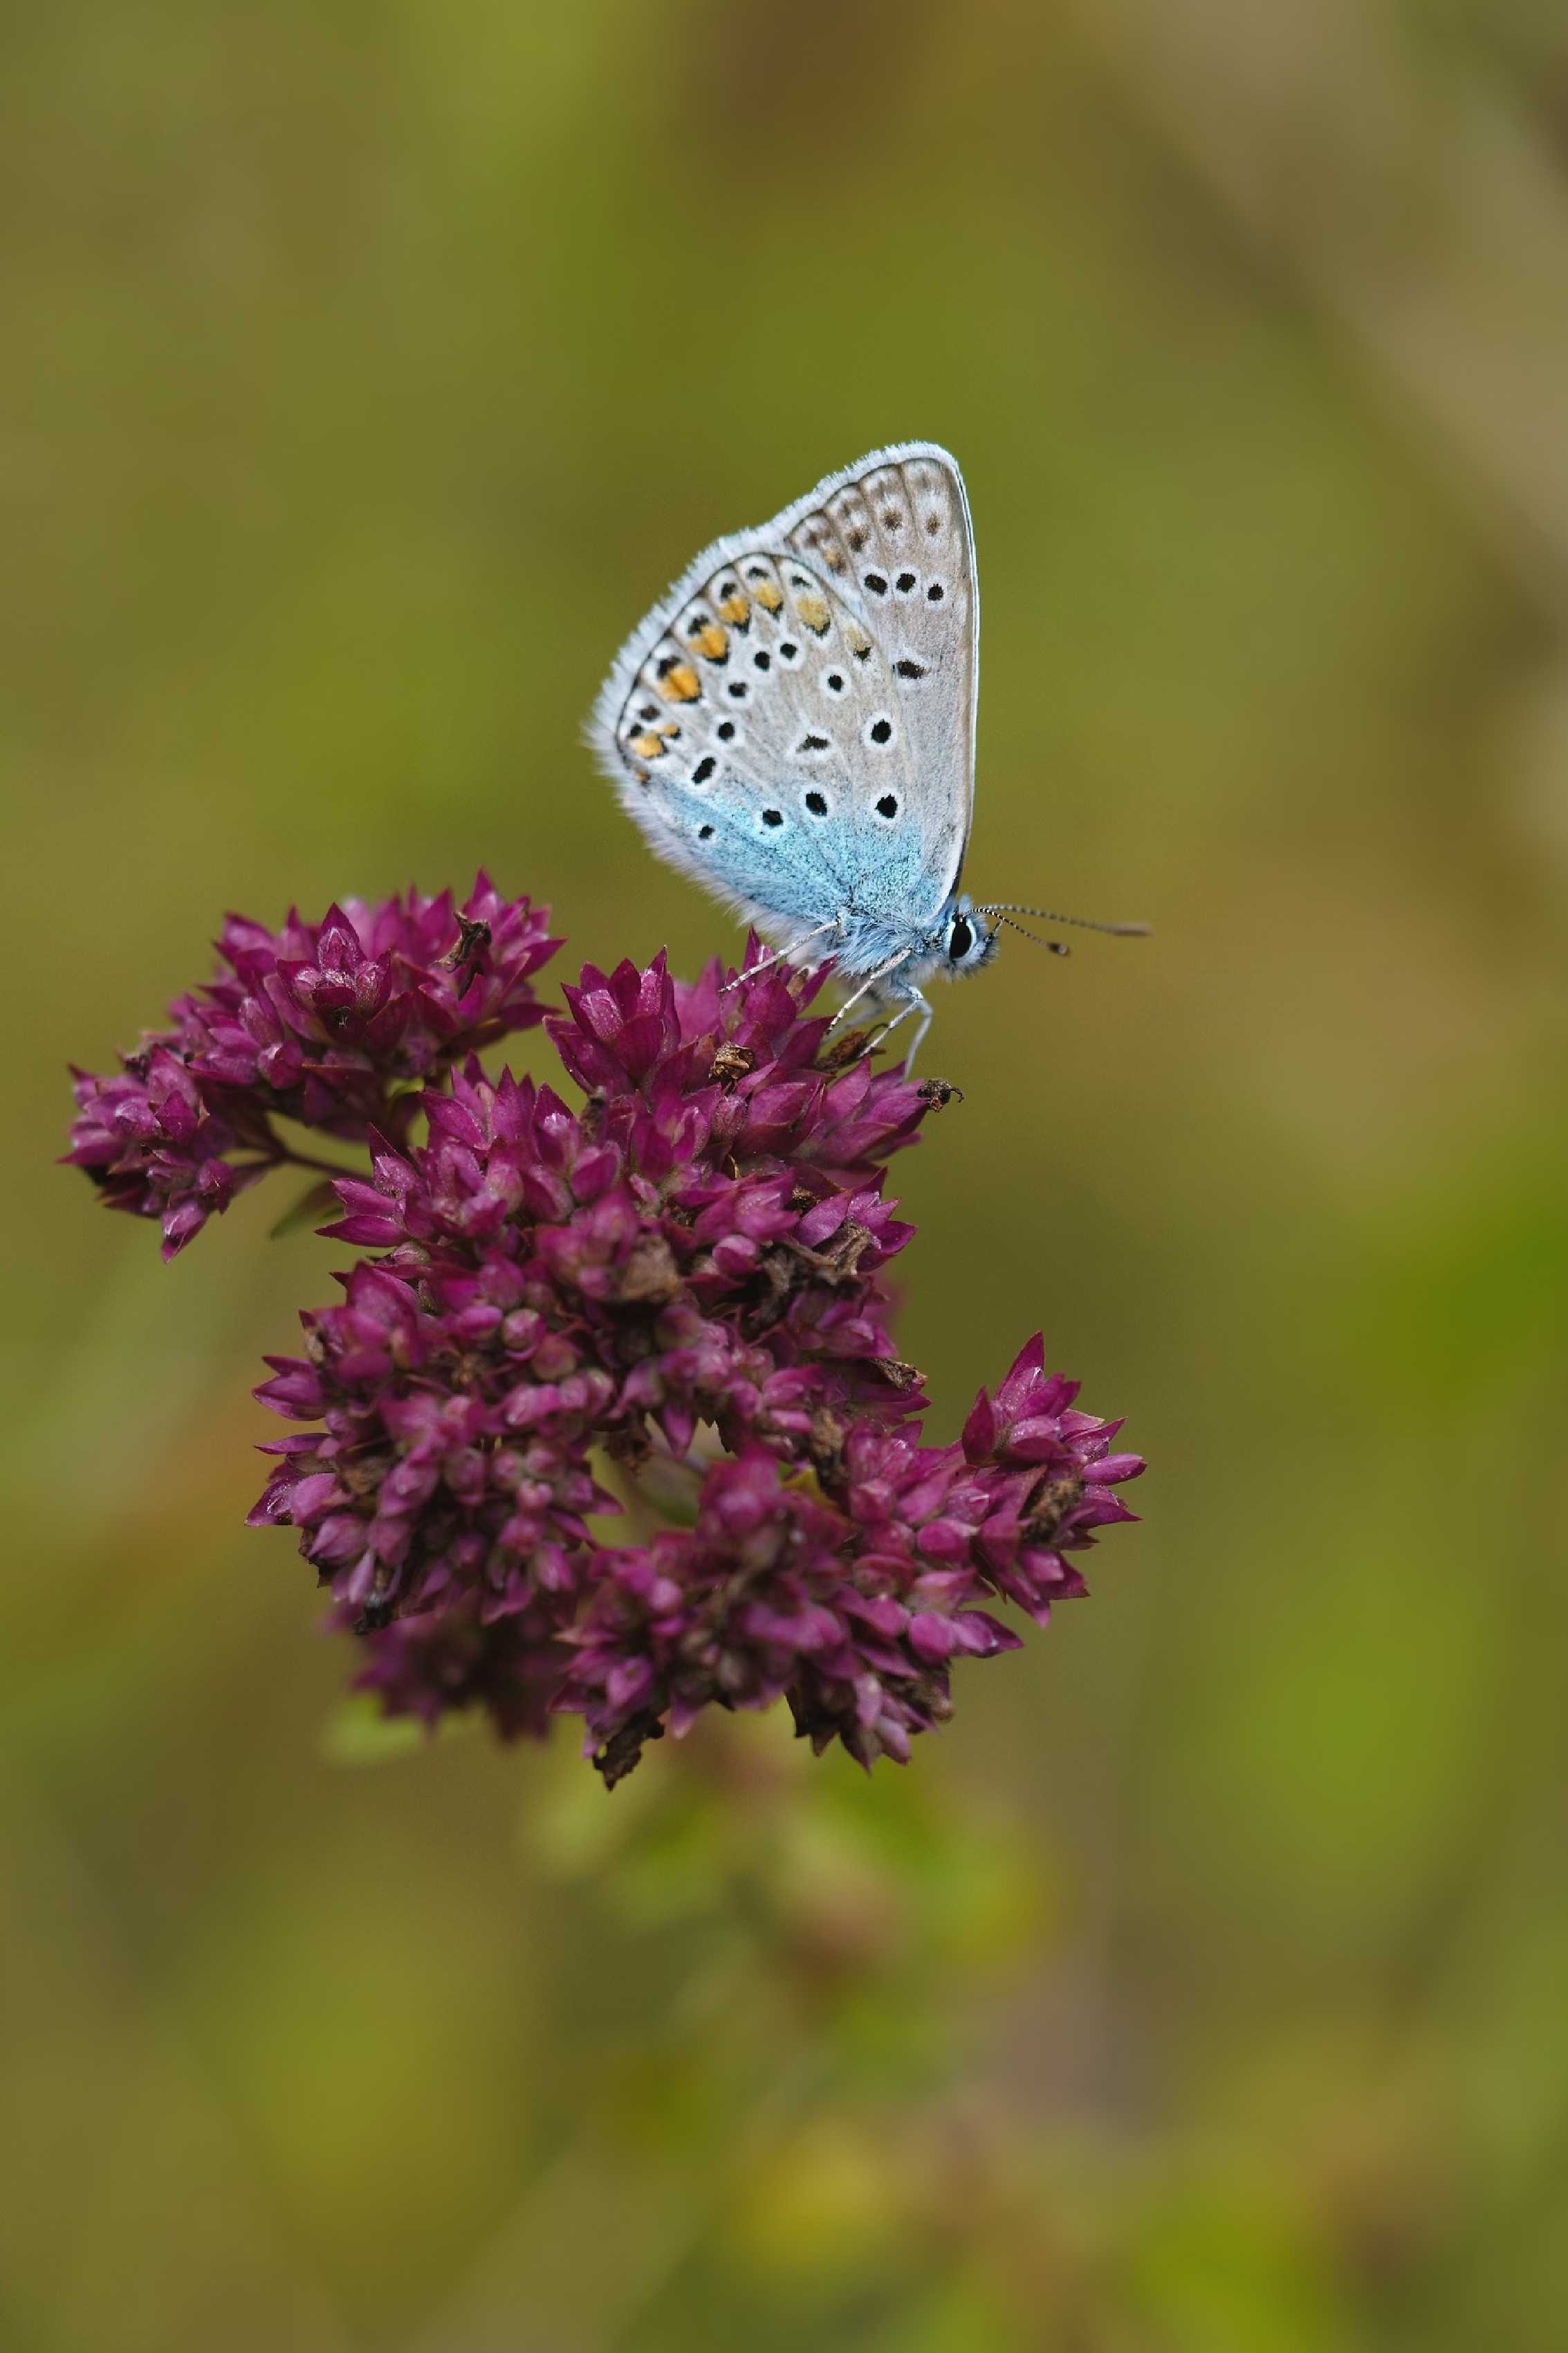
(793, 724)
(760, 734)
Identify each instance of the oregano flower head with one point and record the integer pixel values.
(609, 1418)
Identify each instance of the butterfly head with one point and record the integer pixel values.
(968, 942)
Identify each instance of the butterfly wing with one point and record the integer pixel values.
(794, 723)
(894, 536)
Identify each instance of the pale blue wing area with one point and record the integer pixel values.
(793, 724)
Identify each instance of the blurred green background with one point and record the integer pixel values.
(369, 369)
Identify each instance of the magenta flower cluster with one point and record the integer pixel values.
(335, 1025)
(668, 1304)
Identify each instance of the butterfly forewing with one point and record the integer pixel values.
(794, 723)
(894, 535)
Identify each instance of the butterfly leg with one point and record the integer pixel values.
(866, 985)
(782, 956)
(914, 1002)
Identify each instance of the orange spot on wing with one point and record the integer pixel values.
(646, 747)
(711, 640)
(736, 609)
(812, 611)
(681, 684)
(768, 596)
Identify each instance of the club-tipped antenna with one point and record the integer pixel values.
(1048, 915)
(1057, 947)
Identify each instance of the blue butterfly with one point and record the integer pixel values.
(794, 724)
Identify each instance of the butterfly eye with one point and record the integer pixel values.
(961, 939)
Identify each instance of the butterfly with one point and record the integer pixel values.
(794, 725)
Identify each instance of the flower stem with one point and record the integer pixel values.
(306, 1160)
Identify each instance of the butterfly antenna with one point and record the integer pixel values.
(1081, 922)
(1057, 947)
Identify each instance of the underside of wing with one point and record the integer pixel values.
(894, 535)
(794, 723)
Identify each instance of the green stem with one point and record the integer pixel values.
(305, 1160)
